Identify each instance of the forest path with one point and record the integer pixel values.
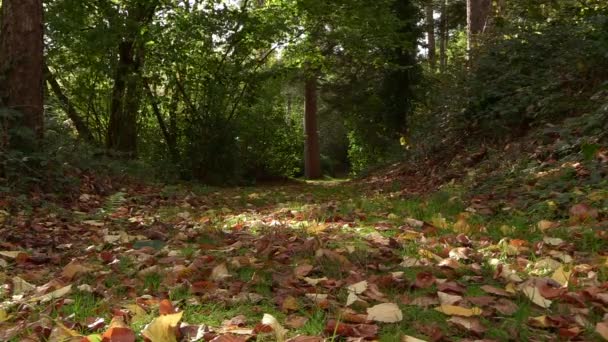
(325, 260)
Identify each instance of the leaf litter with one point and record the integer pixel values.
(164, 269)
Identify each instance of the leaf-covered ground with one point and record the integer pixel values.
(300, 262)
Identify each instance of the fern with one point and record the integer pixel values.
(112, 203)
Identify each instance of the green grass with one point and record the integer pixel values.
(83, 305)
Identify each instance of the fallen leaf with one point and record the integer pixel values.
(61, 333)
(408, 338)
(72, 269)
(495, 291)
(295, 321)
(163, 328)
(220, 272)
(118, 331)
(165, 307)
(279, 331)
(532, 292)
(290, 304)
(358, 288)
(471, 324)
(53, 295)
(561, 276)
(453, 310)
(306, 339)
(424, 280)
(385, 312)
(448, 299)
(302, 270)
(314, 281)
(602, 329)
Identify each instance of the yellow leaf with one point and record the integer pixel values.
(137, 311)
(561, 276)
(4, 316)
(163, 328)
(539, 321)
(454, 310)
(510, 288)
(429, 255)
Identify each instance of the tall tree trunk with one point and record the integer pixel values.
(312, 154)
(430, 35)
(124, 107)
(444, 36)
(478, 14)
(21, 66)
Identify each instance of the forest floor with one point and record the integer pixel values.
(390, 259)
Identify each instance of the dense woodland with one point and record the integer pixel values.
(393, 170)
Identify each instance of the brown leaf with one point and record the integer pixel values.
(424, 280)
(302, 270)
(306, 339)
(495, 291)
(295, 321)
(505, 306)
(165, 307)
(229, 338)
(118, 331)
(583, 212)
(471, 324)
(368, 331)
(290, 304)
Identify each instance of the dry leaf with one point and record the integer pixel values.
(295, 321)
(385, 312)
(454, 310)
(74, 268)
(118, 331)
(314, 281)
(357, 288)
(471, 324)
(602, 329)
(448, 299)
(53, 295)
(408, 338)
(279, 331)
(220, 272)
(532, 292)
(163, 328)
(495, 291)
(290, 304)
(561, 276)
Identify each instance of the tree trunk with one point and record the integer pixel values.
(81, 127)
(444, 36)
(21, 66)
(124, 107)
(312, 154)
(478, 13)
(430, 35)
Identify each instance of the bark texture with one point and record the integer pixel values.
(478, 14)
(21, 64)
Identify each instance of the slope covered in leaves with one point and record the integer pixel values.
(299, 262)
